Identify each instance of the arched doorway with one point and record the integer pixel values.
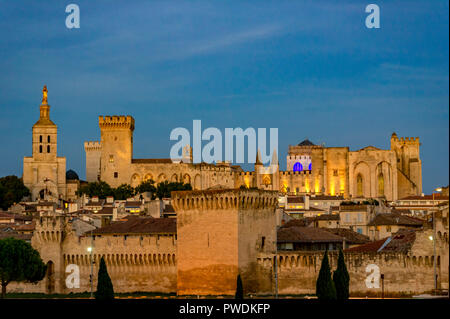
(50, 278)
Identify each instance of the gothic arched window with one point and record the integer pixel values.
(380, 184)
(40, 148)
(48, 148)
(309, 166)
(359, 185)
(298, 167)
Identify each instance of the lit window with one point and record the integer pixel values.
(298, 167)
(111, 158)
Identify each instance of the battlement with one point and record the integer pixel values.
(289, 173)
(116, 121)
(92, 146)
(405, 140)
(224, 199)
(246, 173)
(353, 260)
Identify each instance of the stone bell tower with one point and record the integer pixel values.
(44, 173)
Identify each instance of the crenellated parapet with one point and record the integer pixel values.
(116, 121)
(92, 146)
(50, 228)
(224, 199)
(296, 173)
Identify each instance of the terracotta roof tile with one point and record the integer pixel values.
(140, 225)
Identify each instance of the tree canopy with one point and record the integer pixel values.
(341, 278)
(239, 288)
(124, 191)
(19, 262)
(105, 290)
(12, 190)
(325, 289)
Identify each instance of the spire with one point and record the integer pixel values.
(44, 117)
(258, 158)
(274, 158)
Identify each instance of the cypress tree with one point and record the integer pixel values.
(325, 289)
(341, 278)
(105, 290)
(239, 288)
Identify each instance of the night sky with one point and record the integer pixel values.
(310, 68)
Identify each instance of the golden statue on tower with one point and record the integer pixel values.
(44, 95)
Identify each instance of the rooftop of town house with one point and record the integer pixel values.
(437, 197)
(401, 242)
(139, 225)
(350, 236)
(395, 219)
(299, 234)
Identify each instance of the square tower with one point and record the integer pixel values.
(44, 173)
(220, 233)
(116, 149)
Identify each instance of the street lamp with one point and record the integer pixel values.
(433, 238)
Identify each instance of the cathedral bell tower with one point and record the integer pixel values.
(44, 173)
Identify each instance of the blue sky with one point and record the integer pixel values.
(310, 68)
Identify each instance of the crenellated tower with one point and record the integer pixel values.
(116, 148)
(93, 152)
(409, 165)
(220, 234)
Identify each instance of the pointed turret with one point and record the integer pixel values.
(258, 158)
(274, 158)
(44, 117)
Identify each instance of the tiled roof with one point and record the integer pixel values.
(26, 237)
(305, 235)
(401, 241)
(108, 210)
(311, 209)
(437, 196)
(133, 204)
(350, 236)
(295, 199)
(306, 143)
(353, 207)
(302, 222)
(100, 202)
(327, 217)
(140, 225)
(326, 197)
(151, 161)
(395, 219)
